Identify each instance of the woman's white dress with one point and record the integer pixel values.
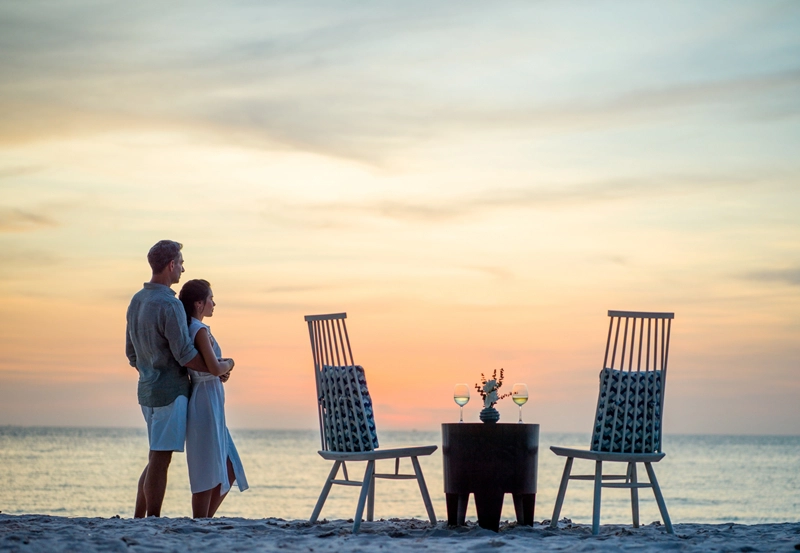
(208, 442)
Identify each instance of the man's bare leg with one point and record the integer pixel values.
(155, 481)
(140, 511)
(216, 500)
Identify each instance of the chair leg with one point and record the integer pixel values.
(362, 498)
(634, 494)
(662, 506)
(598, 487)
(562, 491)
(325, 491)
(423, 489)
(371, 500)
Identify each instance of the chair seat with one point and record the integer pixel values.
(606, 456)
(416, 451)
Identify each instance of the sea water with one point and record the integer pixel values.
(92, 472)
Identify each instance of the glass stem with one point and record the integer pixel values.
(462, 414)
(520, 414)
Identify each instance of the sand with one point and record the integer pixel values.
(49, 533)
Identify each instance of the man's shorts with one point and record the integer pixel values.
(166, 426)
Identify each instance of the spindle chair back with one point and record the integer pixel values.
(346, 421)
(630, 405)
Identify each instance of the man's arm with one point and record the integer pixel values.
(177, 334)
(130, 351)
(197, 364)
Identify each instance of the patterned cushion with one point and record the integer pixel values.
(628, 412)
(347, 409)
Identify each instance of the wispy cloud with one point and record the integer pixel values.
(790, 276)
(271, 307)
(500, 273)
(294, 289)
(18, 263)
(353, 81)
(12, 172)
(13, 256)
(19, 220)
(535, 196)
(742, 90)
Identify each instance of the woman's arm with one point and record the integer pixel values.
(202, 342)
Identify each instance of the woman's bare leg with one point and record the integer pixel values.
(216, 501)
(201, 502)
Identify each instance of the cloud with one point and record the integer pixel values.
(544, 196)
(11, 172)
(28, 257)
(294, 289)
(19, 220)
(741, 90)
(19, 264)
(347, 80)
(790, 276)
(271, 307)
(499, 273)
(352, 215)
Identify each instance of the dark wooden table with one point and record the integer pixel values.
(489, 461)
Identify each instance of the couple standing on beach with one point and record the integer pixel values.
(165, 336)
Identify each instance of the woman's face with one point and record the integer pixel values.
(206, 309)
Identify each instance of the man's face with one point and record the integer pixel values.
(177, 269)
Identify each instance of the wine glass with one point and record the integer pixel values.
(461, 397)
(519, 395)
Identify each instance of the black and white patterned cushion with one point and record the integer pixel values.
(628, 412)
(347, 409)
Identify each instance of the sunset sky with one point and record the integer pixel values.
(474, 183)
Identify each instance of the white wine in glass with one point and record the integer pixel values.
(519, 395)
(461, 397)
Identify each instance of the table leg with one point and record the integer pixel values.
(463, 502)
(489, 506)
(457, 508)
(524, 504)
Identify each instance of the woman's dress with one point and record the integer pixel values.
(208, 442)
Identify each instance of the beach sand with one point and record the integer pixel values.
(36, 533)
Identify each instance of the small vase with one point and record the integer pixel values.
(490, 415)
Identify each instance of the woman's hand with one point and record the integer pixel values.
(228, 363)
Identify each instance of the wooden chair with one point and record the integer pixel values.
(627, 427)
(346, 425)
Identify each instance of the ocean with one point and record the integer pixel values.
(92, 472)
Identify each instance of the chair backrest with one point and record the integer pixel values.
(630, 402)
(344, 406)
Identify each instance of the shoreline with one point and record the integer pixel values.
(34, 533)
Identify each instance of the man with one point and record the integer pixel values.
(159, 347)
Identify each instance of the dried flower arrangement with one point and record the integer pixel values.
(488, 389)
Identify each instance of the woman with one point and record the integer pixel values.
(214, 463)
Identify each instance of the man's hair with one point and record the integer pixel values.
(162, 253)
